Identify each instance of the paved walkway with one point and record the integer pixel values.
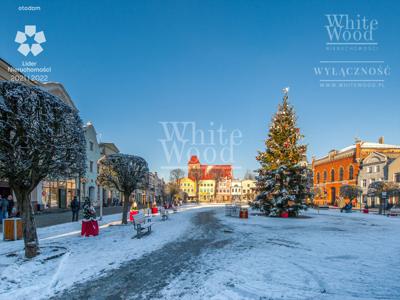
(55, 218)
(145, 277)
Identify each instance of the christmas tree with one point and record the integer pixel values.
(89, 213)
(283, 176)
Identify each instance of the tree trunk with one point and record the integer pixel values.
(28, 223)
(125, 208)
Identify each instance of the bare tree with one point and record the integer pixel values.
(176, 175)
(172, 190)
(217, 174)
(249, 175)
(124, 172)
(40, 136)
(196, 174)
(350, 191)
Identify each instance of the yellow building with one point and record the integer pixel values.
(188, 186)
(248, 189)
(206, 190)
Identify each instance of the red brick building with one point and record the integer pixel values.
(207, 171)
(341, 167)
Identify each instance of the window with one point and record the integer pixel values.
(332, 175)
(351, 173)
(91, 166)
(91, 146)
(325, 176)
(377, 168)
(371, 180)
(318, 178)
(364, 183)
(397, 177)
(341, 174)
(369, 170)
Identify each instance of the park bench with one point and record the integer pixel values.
(141, 222)
(394, 212)
(164, 213)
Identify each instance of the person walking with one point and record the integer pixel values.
(4, 208)
(10, 205)
(75, 207)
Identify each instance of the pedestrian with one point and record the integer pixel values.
(10, 205)
(75, 207)
(4, 208)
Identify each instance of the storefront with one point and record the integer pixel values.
(58, 194)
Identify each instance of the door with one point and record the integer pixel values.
(333, 196)
(62, 198)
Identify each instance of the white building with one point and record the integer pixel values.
(236, 190)
(89, 185)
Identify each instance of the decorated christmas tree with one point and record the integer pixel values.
(283, 177)
(89, 213)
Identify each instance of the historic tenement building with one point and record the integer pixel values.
(341, 167)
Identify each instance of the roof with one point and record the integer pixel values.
(364, 145)
(194, 160)
(109, 145)
(57, 89)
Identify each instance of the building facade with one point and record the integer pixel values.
(248, 189)
(89, 186)
(224, 190)
(341, 167)
(236, 190)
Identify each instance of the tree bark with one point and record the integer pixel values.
(125, 208)
(31, 240)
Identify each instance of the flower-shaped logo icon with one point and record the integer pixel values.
(30, 32)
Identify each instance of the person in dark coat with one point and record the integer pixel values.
(75, 207)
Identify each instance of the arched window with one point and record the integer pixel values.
(332, 175)
(325, 176)
(318, 178)
(351, 173)
(341, 174)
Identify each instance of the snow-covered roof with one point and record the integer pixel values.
(378, 145)
(370, 145)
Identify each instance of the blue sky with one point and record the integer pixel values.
(129, 65)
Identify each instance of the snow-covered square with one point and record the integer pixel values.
(199, 253)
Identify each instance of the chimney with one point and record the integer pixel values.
(381, 140)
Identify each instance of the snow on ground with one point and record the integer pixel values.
(327, 256)
(68, 258)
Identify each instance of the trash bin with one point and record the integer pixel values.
(12, 229)
(244, 212)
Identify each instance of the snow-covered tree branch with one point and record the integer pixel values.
(40, 136)
(124, 172)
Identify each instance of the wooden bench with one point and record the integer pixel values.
(164, 214)
(141, 222)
